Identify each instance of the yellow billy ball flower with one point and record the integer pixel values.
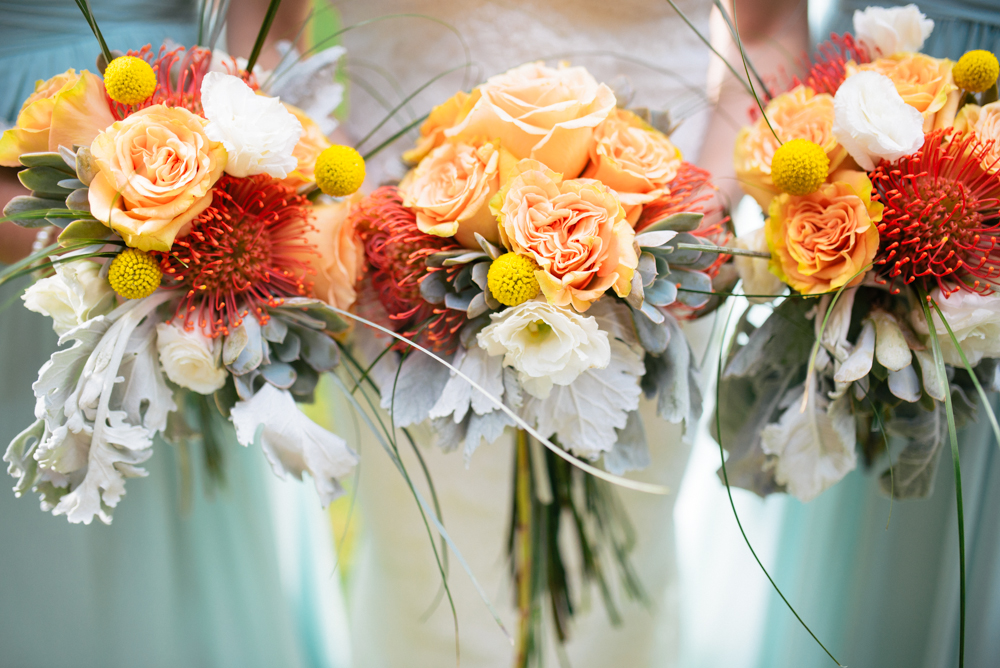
(340, 171)
(976, 71)
(799, 167)
(512, 280)
(129, 80)
(134, 274)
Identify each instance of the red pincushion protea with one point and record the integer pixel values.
(179, 73)
(396, 249)
(940, 225)
(827, 69)
(245, 252)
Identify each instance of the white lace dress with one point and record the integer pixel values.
(396, 580)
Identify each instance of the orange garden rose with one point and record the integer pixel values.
(575, 230)
(797, 114)
(450, 190)
(820, 241)
(984, 123)
(310, 145)
(341, 254)
(924, 83)
(441, 118)
(69, 109)
(155, 172)
(633, 159)
(538, 112)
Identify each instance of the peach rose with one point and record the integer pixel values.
(539, 112)
(984, 123)
(68, 109)
(341, 254)
(819, 242)
(155, 172)
(633, 159)
(441, 118)
(575, 230)
(924, 83)
(311, 144)
(450, 189)
(798, 114)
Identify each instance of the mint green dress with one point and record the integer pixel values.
(159, 587)
(880, 596)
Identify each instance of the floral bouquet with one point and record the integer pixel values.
(542, 249)
(879, 176)
(182, 275)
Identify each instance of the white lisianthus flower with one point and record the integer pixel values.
(547, 345)
(191, 359)
(890, 30)
(975, 320)
(73, 296)
(757, 279)
(258, 132)
(872, 121)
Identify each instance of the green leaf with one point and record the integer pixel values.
(678, 222)
(44, 181)
(52, 160)
(31, 212)
(81, 230)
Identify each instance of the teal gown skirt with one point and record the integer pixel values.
(889, 596)
(181, 578)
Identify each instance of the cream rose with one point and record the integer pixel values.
(575, 230)
(155, 172)
(191, 359)
(873, 122)
(633, 159)
(539, 112)
(547, 345)
(797, 114)
(75, 294)
(924, 83)
(974, 319)
(984, 123)
(890, 30)
(450, 189)
(341, 254)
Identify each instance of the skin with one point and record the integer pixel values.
(244, 21)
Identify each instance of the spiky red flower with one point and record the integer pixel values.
(179, 73)
(396, 251)
(827, 69)
(940, 225)
(245, 252)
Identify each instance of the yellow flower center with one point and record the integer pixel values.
(129, 80)
(799, 167)
(976, 71)
(134, 274)
(340, 171)
(512, 280)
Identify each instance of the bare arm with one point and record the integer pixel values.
(244, 21)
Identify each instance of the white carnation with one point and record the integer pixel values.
(191, 359)
(974, 319)
(890, 30)
(546, 344)
(73, 296)
(872, 122)
(259, 133)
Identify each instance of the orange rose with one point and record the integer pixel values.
(155, 172)
(633, 159)
(441, 118)
(984, 123)
(341, 254)
(450, 189)
(539, 112)
(311, 144)
(924, 83)
(575, 230)
(68, 109)
(819, 242)
(798, 114)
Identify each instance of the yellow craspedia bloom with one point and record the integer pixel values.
(129, 80)
(512, 280)
(340, 171)
(134, 274)
(799, 167)
(976, 71)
